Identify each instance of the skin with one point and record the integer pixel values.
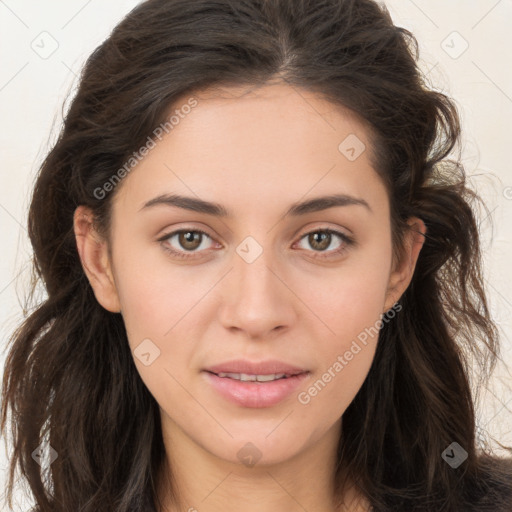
(256, 152)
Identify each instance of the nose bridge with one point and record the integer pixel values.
(254, 266)
(257, 300)
(255, 274)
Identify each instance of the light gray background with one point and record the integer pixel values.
(34, 83)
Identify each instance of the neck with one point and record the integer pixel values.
(201, 482)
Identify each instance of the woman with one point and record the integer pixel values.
(258, 261)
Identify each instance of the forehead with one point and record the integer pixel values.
(272, 105)
(271, 143)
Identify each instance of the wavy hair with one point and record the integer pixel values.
(70, 377)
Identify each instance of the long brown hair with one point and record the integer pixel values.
(69, 375)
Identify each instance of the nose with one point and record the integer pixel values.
(257, 300)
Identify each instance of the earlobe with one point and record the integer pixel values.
(401, 277)
(93, 252)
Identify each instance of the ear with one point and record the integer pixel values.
(401, 276)
(95, 258)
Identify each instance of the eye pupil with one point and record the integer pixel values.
(189, 237)
(313, 238)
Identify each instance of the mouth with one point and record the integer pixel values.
(255, 390)
(246, 370)
(246, 377)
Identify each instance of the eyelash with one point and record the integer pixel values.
(348, 242)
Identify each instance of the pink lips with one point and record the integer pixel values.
(262, 368)
(255, 394)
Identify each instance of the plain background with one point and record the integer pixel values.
(466, 51)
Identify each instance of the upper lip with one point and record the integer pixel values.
(268, 367)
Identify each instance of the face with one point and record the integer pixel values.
(269, 281)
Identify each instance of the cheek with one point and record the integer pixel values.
(349, 299)
(155, 300)
(345, 350)
(160, 303)
(349, 306)
(331, 391)
(152, 292)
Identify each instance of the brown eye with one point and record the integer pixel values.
(187, 241)
(321, 239)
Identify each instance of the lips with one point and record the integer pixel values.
(255, 385)
(269, 367)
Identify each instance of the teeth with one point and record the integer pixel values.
(245, 377)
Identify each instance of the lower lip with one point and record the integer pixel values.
(255, 394)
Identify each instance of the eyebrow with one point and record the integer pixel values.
(210, 208)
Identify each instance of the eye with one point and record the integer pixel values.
(321, 239)
(188, 239)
